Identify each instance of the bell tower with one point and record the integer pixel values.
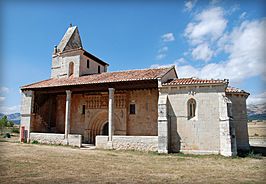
(69, 59)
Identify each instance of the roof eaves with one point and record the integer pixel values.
(86, 53)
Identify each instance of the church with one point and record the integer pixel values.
(148, 110)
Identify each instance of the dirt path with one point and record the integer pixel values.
(27, 163)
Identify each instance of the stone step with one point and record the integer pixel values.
(88, 146)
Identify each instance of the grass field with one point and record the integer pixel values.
(29, 163)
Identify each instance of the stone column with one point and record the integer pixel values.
(67, 115)
(27, 102)
(110, 117)
(162, 124)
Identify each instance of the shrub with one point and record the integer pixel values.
(15, 130)
(251, 154)
(34, 142)
(7, 135)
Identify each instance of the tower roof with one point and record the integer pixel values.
(71, 40)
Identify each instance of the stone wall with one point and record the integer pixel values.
(49, 138)
(200, 134)
(144, 122)
(141, 143)
(93, 66)
(27, 100)
(60, 64)
(239, 113)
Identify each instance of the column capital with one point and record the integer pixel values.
(111, 90)
(68, 92)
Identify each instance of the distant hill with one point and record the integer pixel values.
(15, 117)
(256, 111)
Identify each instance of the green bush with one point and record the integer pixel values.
(251, 154)
(7, 135)
(15, 130)
(10, 124)
(34, 142)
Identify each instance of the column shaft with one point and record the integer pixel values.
(110, 114)
(67, 115)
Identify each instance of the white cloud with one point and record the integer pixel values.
(9, 109)
(207, 25)
(161, 66)
(180, 61)
(162, 53)
(160, 56)
(257, 99)
(245, 46)
(163, 49)
(202, 52)
(168, 37)
(189, 5)
(243, 15)
(2, 98)
(4, 89)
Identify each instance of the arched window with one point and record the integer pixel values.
(191, 105)
(70, 69)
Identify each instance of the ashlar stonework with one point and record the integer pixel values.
(149, 110)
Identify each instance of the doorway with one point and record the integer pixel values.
(105, 129)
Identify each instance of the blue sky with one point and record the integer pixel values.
(205, 39)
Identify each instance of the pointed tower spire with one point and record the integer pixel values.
(71, 40)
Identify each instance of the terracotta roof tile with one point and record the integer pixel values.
(190, 81)
(107, 77)
(230, 89)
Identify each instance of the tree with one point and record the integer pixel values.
(10, 124)
(4, 121)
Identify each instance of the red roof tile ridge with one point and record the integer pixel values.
(25, 86)
(106, 77)
(143, 69)
(194, 80)
(231, 89)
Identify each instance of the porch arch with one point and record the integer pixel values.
(96, 124)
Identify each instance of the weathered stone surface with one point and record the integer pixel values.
(239, 113)
(27, 101)
(201, 133)
(141, 143)
(50, 138)
(162, 124)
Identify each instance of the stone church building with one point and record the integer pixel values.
(148, 109)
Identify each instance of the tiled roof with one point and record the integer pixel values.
(106, 77)
(230, 89)
(191, 81)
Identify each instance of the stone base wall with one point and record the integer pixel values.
(200, 152)
(141, 143)
(49, 138)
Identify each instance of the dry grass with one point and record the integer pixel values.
(27, 163)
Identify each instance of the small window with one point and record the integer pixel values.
(191, 108)
(88, 63)
(70, 69)
(99, 69)
(83, 109)
(132, 109)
